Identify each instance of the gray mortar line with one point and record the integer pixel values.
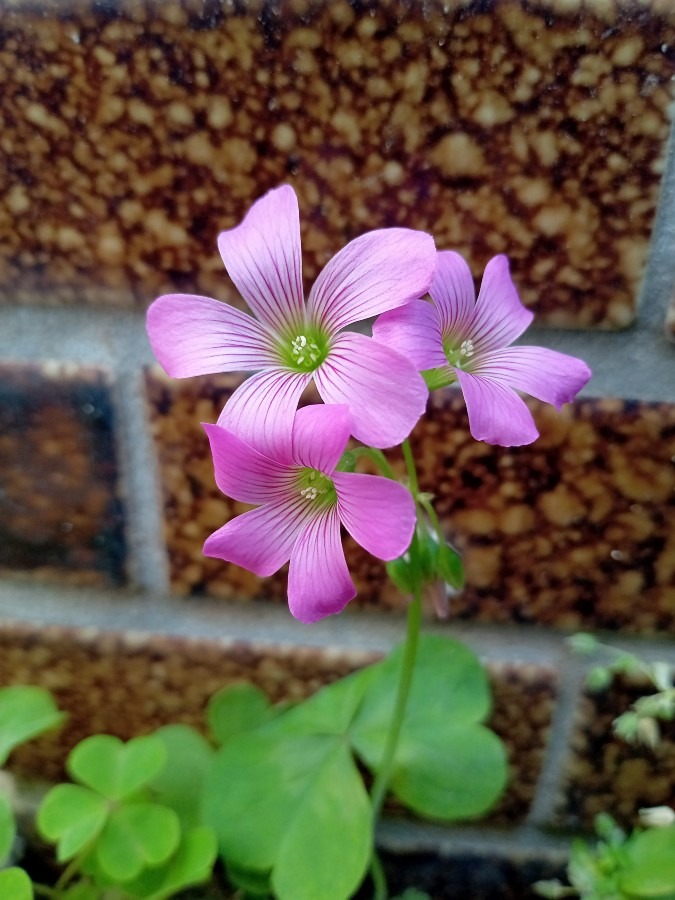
(571, 672)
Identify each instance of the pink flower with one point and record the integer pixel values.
(459, 338)
(291, 342)
(303, 503)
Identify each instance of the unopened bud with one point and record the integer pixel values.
(657, 816)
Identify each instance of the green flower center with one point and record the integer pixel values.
(304, 352)
(316, 488)
(459, 356)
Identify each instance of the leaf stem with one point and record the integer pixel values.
(43, 891)
(68, 873)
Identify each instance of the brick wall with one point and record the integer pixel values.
(132, 132)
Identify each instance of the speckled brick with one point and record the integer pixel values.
(60, 508)
(128, 683)
(575, 530)
(135, 130)
(607, 774)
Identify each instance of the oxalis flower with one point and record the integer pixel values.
(459, 338)
(303, 503)
(291, 342)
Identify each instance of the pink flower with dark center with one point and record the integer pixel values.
(289, 342)
(459, 338)
(303, 502)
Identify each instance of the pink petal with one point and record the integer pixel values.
(375, 272)
(377, 512)
(193, 335)
(499, 316)
(318, 579)
(497, 415)
(550, 376)
(244, 474)
(384, 392)
(263, 259)
(320, 435)
(262, 409)
(260, 540)
(453, 293)
(413, 331)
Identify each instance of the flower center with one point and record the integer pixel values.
(306, 351)
(316, 488)
(459, 357)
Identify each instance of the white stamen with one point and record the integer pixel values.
(313, 491)
(466, 348)
(301, 348)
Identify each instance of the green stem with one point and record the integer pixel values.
(384, 770)
(69, 872)
(383, 776)
(378, 877)
(42, 890)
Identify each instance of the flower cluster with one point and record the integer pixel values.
(290, 463)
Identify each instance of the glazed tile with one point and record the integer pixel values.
(60, 504)
(145, 128)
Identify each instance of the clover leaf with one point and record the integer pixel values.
(192, 863)
(282, 803)
(15, 884)
(447, 764)
(25, 712)
(72, 817)
(179, 783)
(116, 769)
(136, 836)
(237, 708)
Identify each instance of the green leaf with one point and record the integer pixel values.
(326, 849)
(237, 708)
(449, 772)
(179, 784)
(7, 828)
(650, 863)
(72, 817)
(448, 683)
(330, 710)
(25, 712)
(115, 769)
(284, 802)
(15, 885)
(192, 864)
(447, 764)
(137, 835)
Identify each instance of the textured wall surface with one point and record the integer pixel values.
(132, 132)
